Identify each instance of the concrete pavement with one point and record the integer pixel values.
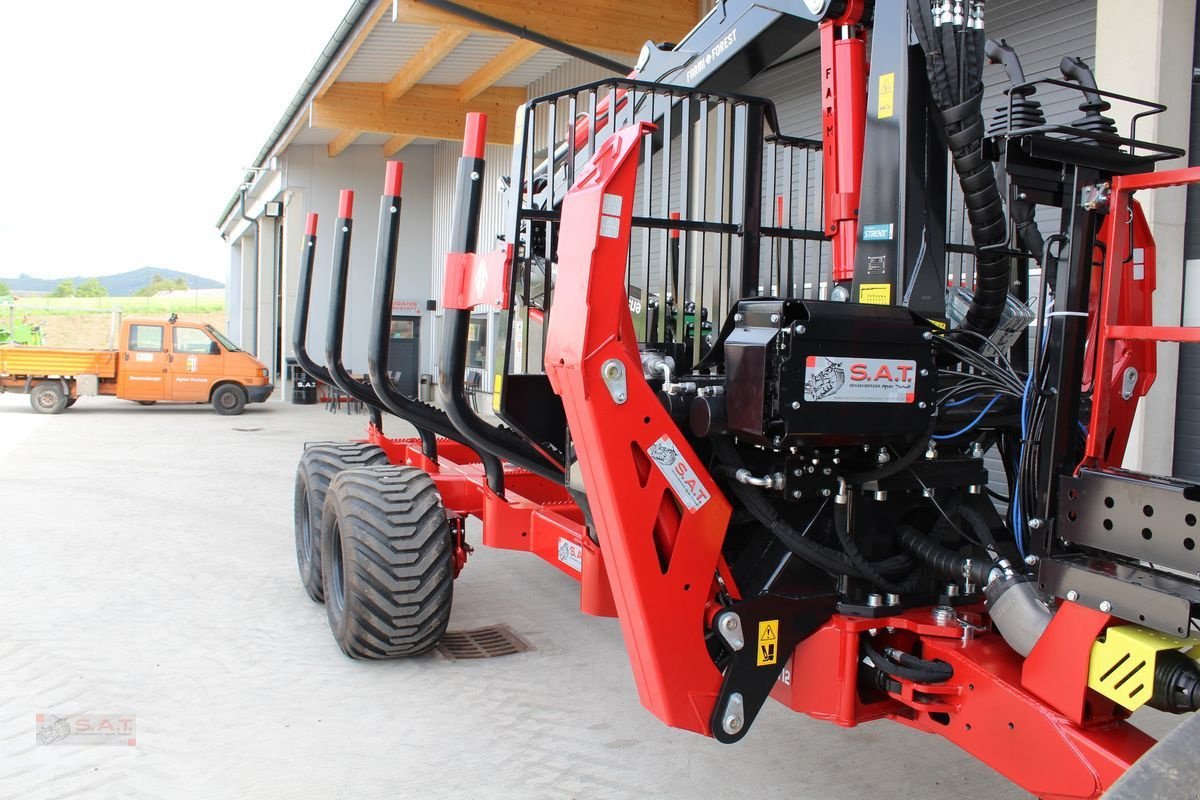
(147, 568)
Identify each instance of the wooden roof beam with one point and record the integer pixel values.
(428, 111)
(396, 144)
(614, 26)
(505, 62)
(428, 57)
(344, 139)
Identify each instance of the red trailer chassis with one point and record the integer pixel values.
(999, 706)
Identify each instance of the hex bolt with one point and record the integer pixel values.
(1035, 522)
(797, 494)
(944, 615)
(874, 600)
(612, 371)
(880, 496)
(827, 471)
(927, 335)
(738, 317)
(799, 473)
(774, 318)
(620, 397)
(730, 623)
(1031, 559)
(795, 405)
(474, 176)
(924, 372)
(800, 330)
(922, 404)
(825, 493)
(733, 723)
(1072, 595)
(1105, 606)
(893, 599)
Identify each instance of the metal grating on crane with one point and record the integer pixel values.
(489, 642)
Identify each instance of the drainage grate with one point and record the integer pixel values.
(489, 642)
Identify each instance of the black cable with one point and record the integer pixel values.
(897, 465)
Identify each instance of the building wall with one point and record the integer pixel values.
(312, 182)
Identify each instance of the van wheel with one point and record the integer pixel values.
(48, 398)
(318, 466)
(229, 400)
(387, 556)
(146, 402)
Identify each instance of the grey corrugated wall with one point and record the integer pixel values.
(1187, 408)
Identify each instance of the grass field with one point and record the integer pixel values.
(127, 305)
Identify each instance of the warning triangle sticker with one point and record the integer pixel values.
(767, 634)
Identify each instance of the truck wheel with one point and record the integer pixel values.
(387, 565)
(319, 464)
(71, 401)
(145, 402)
(48, 398)
(229, 400)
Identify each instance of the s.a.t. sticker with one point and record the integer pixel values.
(679, 473)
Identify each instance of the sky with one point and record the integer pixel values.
(125, 125)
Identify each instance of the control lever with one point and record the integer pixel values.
(1001, 52)
(1093, 107)
(1026, 113)
(1076, 69)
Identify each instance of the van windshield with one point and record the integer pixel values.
(223, 339)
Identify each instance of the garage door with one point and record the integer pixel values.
(1187, 409)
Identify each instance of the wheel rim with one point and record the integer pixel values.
(336, 578)
(47, 400)
(306, 534)
(227, 400)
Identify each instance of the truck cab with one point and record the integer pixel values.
(187, 362)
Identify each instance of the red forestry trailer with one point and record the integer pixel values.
(757, 434)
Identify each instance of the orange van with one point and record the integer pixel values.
(157, 359)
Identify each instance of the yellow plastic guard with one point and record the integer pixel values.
(1122, 665)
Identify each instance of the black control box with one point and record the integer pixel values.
(806, 372)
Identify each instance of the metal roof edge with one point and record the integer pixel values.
(346, 32)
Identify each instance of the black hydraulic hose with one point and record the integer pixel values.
(796, 541)
(944, 561)
(959, 99)
(927, 672)
(303, 301)
(897, 465)
(841, 525)
(521, 32)
(978, 525)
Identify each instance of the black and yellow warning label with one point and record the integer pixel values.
(768, 642)
(887, 95)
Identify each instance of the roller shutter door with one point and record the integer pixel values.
(1187, 409)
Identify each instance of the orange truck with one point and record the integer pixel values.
(157, 359)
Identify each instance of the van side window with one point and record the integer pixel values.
(146, 337)
(192, 340)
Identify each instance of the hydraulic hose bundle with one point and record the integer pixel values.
(954, 63)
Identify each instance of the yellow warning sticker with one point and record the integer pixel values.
(939, 323)
(768, 642)
(887, 95)
(876, 294)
